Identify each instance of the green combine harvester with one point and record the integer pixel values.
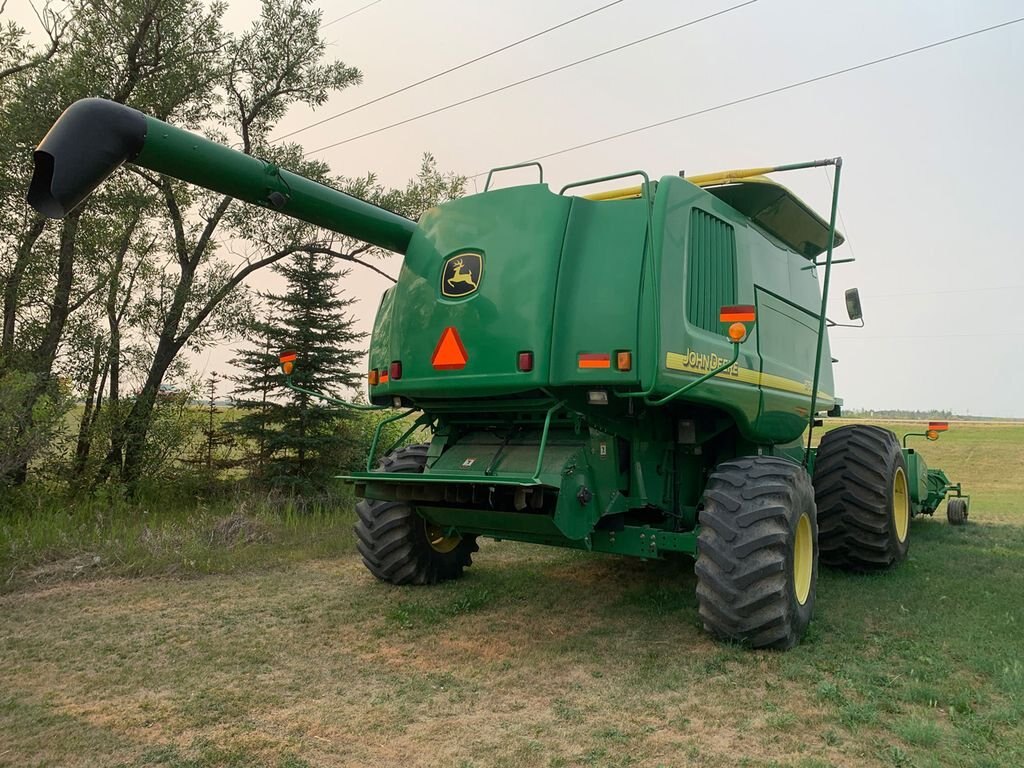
(637, 372)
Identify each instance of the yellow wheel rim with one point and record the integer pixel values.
(437, 539)
(900, 504)
(803, 559)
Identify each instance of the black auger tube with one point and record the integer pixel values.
(88, 143)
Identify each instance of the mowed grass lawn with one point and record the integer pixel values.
(539, 657)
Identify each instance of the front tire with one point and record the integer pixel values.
(757, 561)
(860, 486)
(400, 546)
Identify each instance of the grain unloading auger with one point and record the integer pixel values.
(630, 372)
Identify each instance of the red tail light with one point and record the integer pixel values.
(396, 370)
(525, 361)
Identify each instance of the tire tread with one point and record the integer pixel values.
(743, 592)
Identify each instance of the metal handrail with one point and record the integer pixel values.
(491, 172)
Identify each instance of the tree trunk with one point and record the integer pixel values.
(84, 442)
(129, 440)
(61, 306)
(12, 289)
(45, 354)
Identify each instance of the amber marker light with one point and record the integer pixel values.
(737, 332)
(932, 434)
(591, 360)
(373, 377)
(738, 316)
(623, 360)
(287, 360)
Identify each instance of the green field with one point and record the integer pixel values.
(187, 649)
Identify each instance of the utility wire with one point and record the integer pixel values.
(350, 13)
(507, 86)
(773, 91)
(448, 71)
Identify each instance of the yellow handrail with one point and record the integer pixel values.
(703, 180)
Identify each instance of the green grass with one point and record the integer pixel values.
(539, 657)
(52, 541)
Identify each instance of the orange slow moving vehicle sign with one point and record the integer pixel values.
(449, 354)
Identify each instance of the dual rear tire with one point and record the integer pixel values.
(765, 525)
(863, 499)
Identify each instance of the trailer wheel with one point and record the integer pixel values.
(401, 547)
(863, 499)
(956, 511)
(757, 561)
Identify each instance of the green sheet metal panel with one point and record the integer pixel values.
(518, 234)
(768, 390)
(380, 347)
(688, 350)
(917, 476)
(596, 305)
(477, 452)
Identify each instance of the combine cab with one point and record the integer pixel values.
(635, 372)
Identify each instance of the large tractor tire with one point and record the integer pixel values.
(956, 511)
(401, 547)
(757, 561)
(863, 498)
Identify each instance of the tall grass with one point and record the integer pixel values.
(52, 537)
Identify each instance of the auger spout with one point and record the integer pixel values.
(94, 137)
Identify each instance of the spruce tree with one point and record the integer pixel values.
(298, 442)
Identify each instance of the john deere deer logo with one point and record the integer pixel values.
(461, 275)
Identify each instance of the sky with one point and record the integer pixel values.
(931, 143)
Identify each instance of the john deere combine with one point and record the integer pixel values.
(636, 372)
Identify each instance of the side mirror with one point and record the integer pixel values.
(853, 304)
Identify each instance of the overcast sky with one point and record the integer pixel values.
(932, 146)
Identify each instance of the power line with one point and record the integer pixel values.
(350, 13)
(773, 91)
(448, 71)
(531, 78)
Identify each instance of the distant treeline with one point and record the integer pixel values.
(904, 415)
